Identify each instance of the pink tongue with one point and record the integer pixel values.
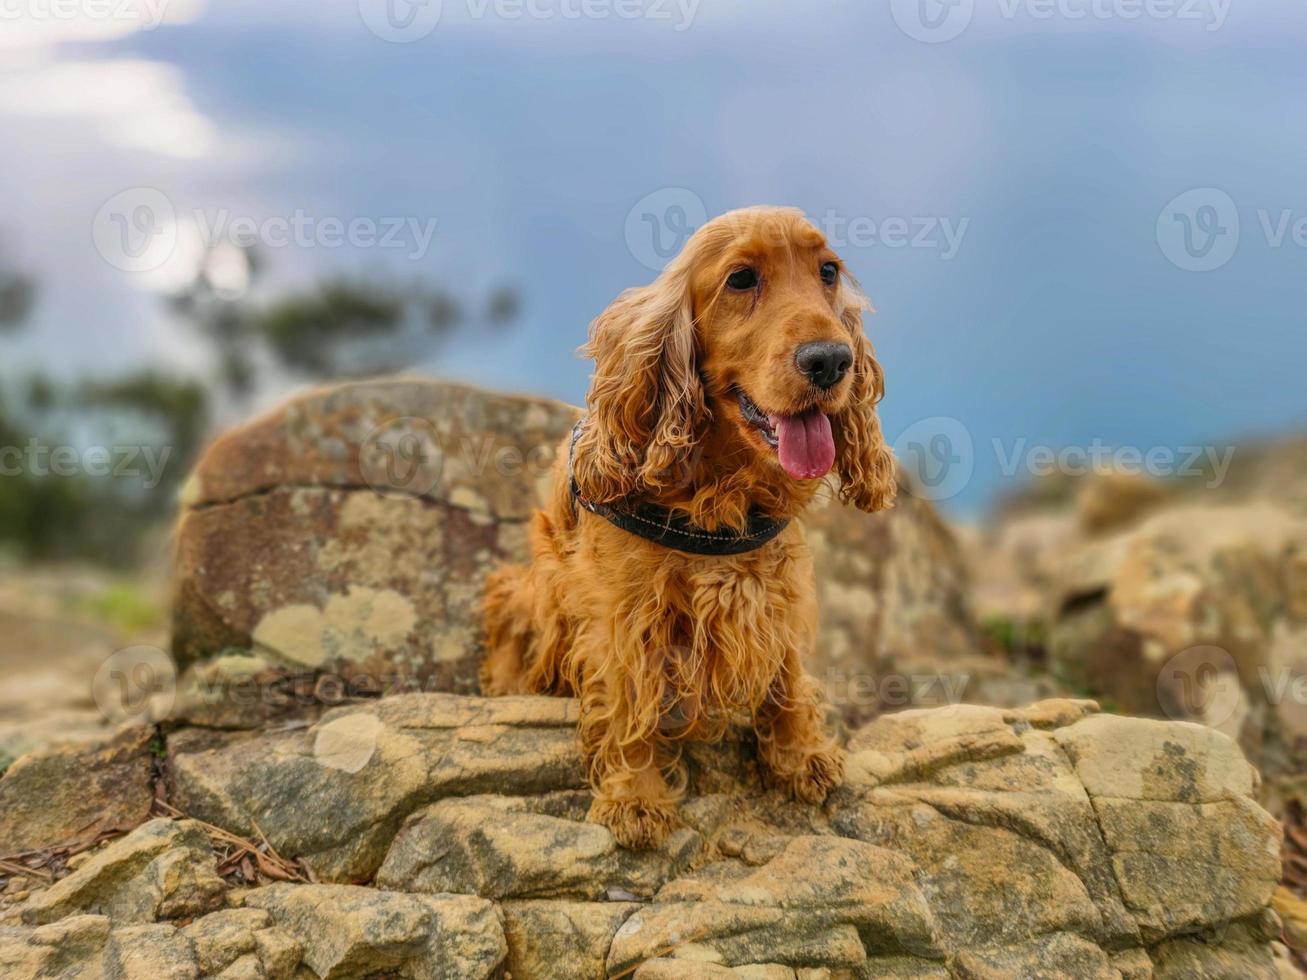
(807, 448)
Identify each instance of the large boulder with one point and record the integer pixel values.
(351, 531)
(966, 841)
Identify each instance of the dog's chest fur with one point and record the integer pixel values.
(718, 631)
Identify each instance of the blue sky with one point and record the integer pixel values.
(1050, 136)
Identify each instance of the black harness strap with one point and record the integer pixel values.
(662, 527)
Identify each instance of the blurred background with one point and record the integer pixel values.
(1083, 224)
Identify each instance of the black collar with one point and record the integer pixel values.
(661, 526)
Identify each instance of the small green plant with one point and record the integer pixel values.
(126, 607)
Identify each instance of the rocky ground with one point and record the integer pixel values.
(307, 786)
(436, 835)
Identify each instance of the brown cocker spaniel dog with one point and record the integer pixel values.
(723, 393)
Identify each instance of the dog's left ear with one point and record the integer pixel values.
(868, 475)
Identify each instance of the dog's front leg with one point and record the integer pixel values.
(622, 752)
(795, 746)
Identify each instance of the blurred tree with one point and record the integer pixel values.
(17, 295)
(339, 328)
(178, 407)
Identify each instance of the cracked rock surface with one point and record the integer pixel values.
(447, 837)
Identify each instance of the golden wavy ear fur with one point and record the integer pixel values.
(646, 402)
(864, 462)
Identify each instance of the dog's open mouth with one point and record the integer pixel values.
(804, 443)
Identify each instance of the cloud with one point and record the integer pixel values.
(32, 24)
(133, 104)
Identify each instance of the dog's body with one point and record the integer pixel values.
(663, 645)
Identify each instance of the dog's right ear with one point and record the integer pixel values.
(646, 402)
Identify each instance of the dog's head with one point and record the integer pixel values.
(750, 342)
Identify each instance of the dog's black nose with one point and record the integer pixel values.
(824, 363)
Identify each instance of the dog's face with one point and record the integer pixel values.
(776, 349)
(753, 336)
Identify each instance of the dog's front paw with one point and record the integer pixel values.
(820, 773)
(634, 822)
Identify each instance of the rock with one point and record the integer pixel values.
(226, 937)
(564, 939)
(350, 932)
(1109, 500)
(351, 531)
(1241, 951)
(1199, 612)
(969, 841)
(72, 793)
(890, 587)
(72, 948)
(152, 952)
(488, 846)
(1058, 955)
(1038, 843)
(230, 944)
(163, 869)
(370, 766)
(822, 901)
(315, 536)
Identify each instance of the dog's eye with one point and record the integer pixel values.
(830, 273)
(742, 279)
